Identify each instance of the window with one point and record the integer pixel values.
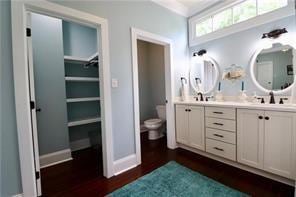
(240, 12)
(244, 11)
(204, 27)
(222, 19)
(265, 6)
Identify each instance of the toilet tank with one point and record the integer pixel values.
(161, 111)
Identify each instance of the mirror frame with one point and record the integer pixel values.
(267, 42)
(205, 57)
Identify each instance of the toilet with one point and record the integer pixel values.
(156, 126)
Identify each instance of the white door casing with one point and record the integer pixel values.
(137, 34)
(21, 71)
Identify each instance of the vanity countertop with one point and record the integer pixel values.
(248, 105)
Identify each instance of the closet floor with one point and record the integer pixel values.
(83, 175)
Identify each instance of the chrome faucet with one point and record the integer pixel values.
(271, 101)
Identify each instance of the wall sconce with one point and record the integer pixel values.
(274, 33)
(199, 53)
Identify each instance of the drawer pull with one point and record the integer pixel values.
(217, 112)
(220, 124)
(219, 149)
(218, 135)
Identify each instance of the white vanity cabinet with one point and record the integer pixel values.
(190, 126)
(266, 140)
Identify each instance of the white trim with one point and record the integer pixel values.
(240, 166)
(137, 34)
(80, 144)
(21, 82)
(18, 195)
(55, 158)
(235, 28)
(285, 39)
(174, 6)
(125, 164)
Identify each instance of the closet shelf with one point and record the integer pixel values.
(77, 60)
(84, 121)
(82, 79)
(74, 100)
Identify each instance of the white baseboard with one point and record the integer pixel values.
(124, 164)
(80, 144)
(55, 158)
(17, 195)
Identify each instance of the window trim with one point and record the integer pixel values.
(237, 27)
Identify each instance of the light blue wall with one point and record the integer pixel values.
(238, 49)
(50, 90)
(79, 40)
(121, 16)
(10, 168)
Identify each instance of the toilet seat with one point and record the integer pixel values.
(152, 121)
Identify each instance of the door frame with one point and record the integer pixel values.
(137, 34)
(21, 83)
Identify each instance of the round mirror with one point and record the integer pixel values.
(272, 67)
(204, 73)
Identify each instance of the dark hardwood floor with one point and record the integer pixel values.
(83, 175)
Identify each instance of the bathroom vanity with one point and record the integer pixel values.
(260, 136)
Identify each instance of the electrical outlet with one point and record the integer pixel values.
(114, 83)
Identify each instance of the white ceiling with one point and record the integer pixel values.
(187, 7)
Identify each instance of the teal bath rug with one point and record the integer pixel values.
(174, 180)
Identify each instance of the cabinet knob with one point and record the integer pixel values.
(266, 118)
(260, 117)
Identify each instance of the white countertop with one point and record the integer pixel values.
(242, 105)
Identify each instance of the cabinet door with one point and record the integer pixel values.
(279, 143)
(196, 127)
(182, 124)
(250, 130)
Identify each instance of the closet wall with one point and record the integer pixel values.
(82, 85)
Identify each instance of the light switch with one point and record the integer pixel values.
(114, 83)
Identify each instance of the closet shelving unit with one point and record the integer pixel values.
(77, 61)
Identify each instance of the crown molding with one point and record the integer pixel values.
(174, 6)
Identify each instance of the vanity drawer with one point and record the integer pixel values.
(216, 123)
(221, 112)
(220, 135)
(221, 149)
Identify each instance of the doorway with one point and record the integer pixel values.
(26, 108)
(65, 96)
(166, 44)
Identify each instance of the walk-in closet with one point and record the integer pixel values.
(64, 80)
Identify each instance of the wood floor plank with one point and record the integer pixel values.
(83, 175)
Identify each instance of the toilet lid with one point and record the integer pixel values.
(153, 121)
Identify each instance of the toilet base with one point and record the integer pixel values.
(154, 135)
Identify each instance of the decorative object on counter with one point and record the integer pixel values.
(243, 96)
(204, 72)
(233, 72)
(184, 89)
(219, 96)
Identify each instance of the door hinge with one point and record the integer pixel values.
(28, 32)
(32, 104)
(37, 174)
